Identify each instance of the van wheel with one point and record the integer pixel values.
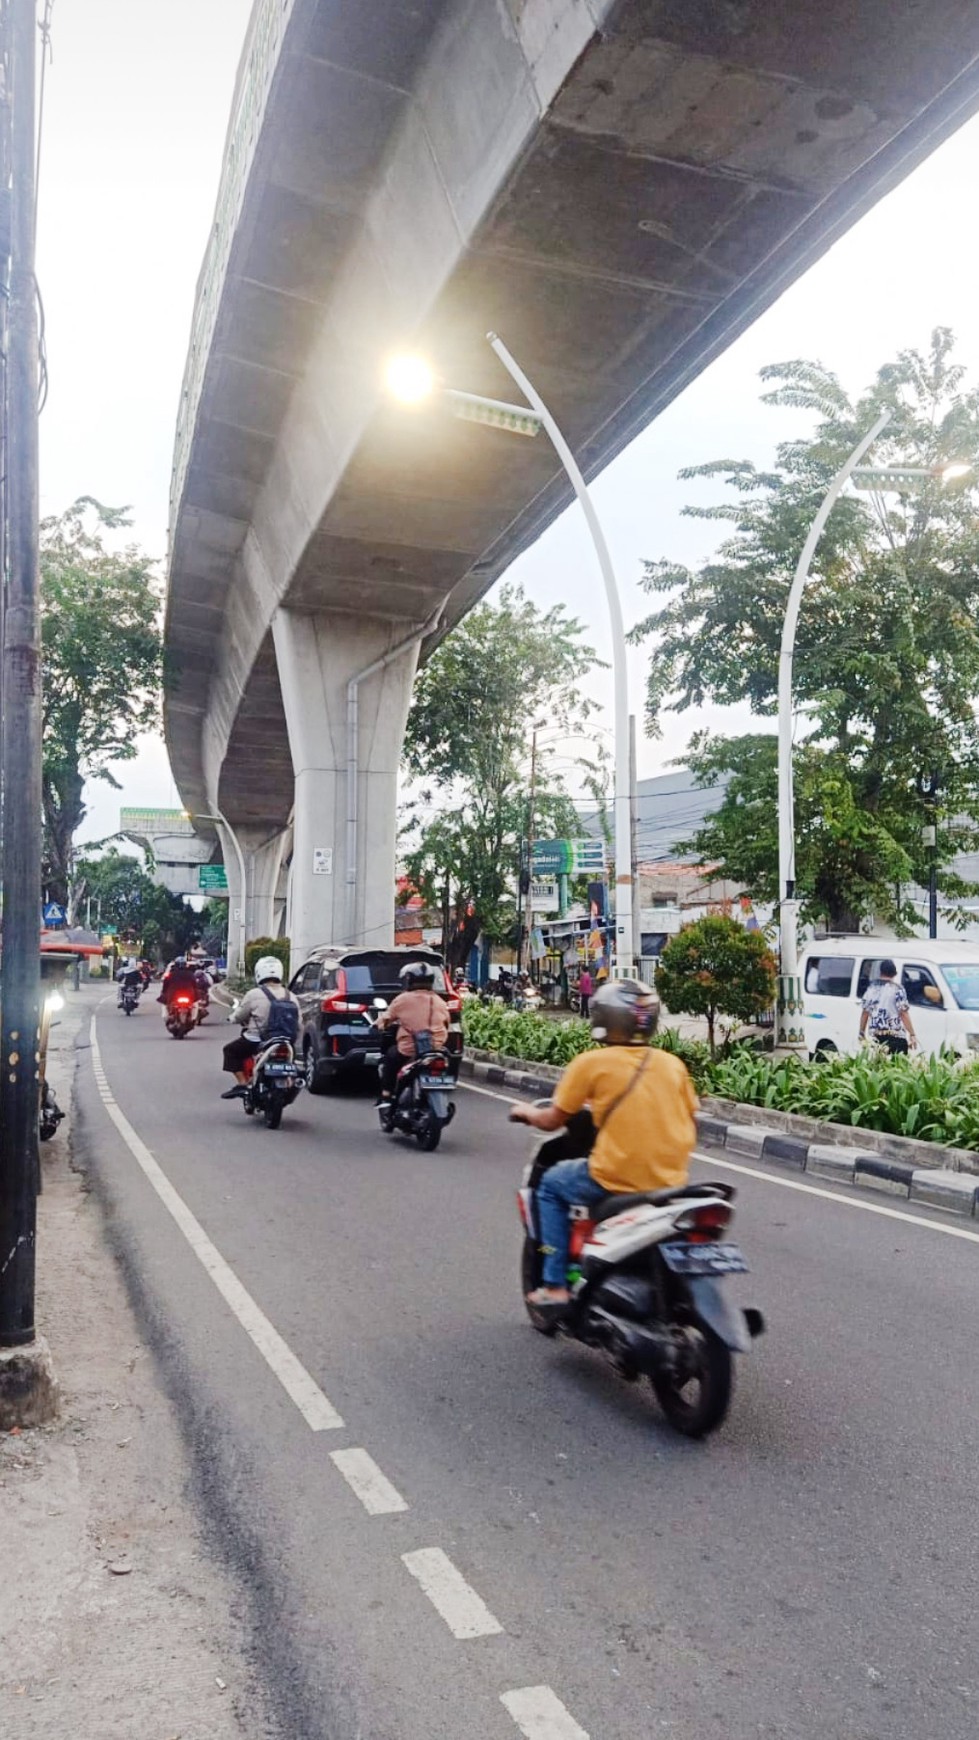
(824, 1051)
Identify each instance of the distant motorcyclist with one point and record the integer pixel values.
(416, 1009)
(129, 977)
(180, 976)
(254, 1015)
(642, 1102)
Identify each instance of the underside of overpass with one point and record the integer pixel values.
(618, 187)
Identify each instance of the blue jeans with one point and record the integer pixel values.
(562, 1185)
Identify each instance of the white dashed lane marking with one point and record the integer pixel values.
(465, 1613)
(540, 1714)
(360, 1471)
(316, 1409)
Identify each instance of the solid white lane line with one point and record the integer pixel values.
(318, 1412)
(540, 1714)
(465, 1613)
(938, 1226)
(952, 1232)
(360, 1471)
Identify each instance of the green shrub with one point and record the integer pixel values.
(537, 1039)
(935, 1099)
(715, 967)
(278, 946)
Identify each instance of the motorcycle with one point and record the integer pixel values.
(422, 1106)
(129, 998)
(273, 1078)
(645, 1274)
(181, 1016)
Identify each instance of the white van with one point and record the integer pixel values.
(941, 980)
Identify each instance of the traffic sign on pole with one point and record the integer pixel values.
(212, 879)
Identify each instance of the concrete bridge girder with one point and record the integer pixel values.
(616, 186)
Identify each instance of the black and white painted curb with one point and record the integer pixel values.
(933, 1186)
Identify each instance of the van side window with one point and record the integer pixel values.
(869, 971)
(920, 987)
(830, 975)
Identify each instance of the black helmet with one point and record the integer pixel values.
(416, 975)
(624, 1012)
(181, 961)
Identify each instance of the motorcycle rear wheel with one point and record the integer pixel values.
(699, 1404)
(178, 1032)
(273, 1112)
(430, 1134)
(544, 1322)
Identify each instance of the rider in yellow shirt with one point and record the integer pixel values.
(642, 1102)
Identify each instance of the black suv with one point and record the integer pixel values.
(339, 990)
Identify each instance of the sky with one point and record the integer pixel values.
(136, 105)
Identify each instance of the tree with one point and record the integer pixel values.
(507, 666)
(715, 967)
(887, 654)
(102, 657)
(160, 922)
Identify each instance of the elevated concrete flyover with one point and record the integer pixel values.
(618, 187)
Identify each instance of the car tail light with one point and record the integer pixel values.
(454, 1002)
(705, 1223)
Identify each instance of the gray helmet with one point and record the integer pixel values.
(414, 975)
(624, 1012)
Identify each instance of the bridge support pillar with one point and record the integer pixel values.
(263, 862)
(333, 900)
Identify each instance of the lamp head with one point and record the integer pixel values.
(409, 378)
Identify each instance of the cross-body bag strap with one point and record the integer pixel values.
(626, 1091)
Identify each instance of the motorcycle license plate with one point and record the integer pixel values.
(436, 1082)
(704, 1259)
(281, 1069)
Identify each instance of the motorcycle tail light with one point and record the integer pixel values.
(581, 1231)
(183, 1002)
(705, 1223)
(282, 1051)
(436, 1065)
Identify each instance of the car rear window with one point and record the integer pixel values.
(380, 973)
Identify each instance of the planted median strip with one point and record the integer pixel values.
(933, 1100)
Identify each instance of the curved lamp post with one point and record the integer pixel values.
(412, 381)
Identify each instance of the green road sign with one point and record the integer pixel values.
(212, 879)
(552, 858)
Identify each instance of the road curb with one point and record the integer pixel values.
(863, 1168)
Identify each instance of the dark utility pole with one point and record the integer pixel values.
(929, 787)
(21, 702)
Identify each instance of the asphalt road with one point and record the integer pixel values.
(808, 1574)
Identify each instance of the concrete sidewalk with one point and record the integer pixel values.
(115, 1621)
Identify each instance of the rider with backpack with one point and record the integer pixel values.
(267, 1012)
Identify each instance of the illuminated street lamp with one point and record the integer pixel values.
(413, 381)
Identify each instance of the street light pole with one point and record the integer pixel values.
(623, 966)
(21, 752)
(790, 1031)
(221, 822)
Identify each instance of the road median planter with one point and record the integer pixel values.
(924, 1172)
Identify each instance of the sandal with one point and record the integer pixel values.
(543, 1299)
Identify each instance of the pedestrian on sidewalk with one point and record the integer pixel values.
(585, 988)
(885, 1013)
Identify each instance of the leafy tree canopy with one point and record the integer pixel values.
(887, 653)
(122, 894)
(102, 653)
(505, 668)
(715, 967)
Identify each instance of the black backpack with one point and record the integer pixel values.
(283, 1021)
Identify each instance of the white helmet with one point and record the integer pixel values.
(268, 968)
